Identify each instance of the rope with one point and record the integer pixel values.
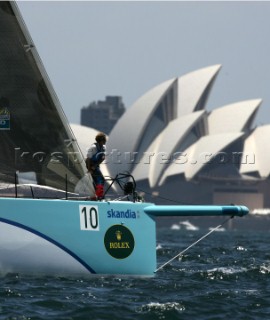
(193, 244)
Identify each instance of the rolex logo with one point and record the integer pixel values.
(119, 241)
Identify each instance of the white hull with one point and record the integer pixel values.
(22, 251)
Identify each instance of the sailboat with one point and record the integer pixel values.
(48, 222)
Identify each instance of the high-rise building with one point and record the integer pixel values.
(103, 115)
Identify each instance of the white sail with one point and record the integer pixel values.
(36, 140)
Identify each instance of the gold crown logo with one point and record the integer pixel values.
(118, 235)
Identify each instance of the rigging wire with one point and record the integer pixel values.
(164, 198)
(193, 244)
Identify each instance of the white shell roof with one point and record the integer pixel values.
(165, 144)
(257, 152)
(233, 117)
(179, 166)
(192, 86)
(129, 133)
(126, 135)
(140, 124)
(200, 153)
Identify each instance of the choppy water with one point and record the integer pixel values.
(225, 276)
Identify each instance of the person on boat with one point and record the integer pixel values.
(95, 156)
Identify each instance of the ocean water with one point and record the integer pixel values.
(227, 275)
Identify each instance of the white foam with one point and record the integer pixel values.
(227, 270)
(162, 306)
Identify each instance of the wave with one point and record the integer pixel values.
(186, 224)
(161, 307)
(227, 270)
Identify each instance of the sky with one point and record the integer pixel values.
(91, 49)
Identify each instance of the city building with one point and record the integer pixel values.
(103, 115)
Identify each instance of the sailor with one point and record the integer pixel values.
(95, 156)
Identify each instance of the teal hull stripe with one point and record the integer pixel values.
(59, 245)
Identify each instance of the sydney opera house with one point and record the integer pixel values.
(179, 152)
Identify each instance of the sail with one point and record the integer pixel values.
(36, 142)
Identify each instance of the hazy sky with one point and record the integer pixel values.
(93, 49)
